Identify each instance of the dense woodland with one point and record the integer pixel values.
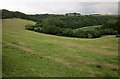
(69, 24)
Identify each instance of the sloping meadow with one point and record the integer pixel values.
(31, 54)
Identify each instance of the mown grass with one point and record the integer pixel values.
(30, 54)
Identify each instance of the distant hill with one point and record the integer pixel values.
(73, 14)
(12, 14)
(70, 20)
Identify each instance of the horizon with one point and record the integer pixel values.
(61, 14)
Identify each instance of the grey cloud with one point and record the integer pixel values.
(64, 7)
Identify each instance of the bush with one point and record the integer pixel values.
(68, 32)
(52, 30)
(38, 29)
(81, 34)
(110, 32)
(97, 34)
(111, 27)
(88, 34)
(29, 27)
(38, 25)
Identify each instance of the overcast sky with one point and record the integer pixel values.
(61, 6)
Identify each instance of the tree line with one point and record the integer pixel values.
(109, 28)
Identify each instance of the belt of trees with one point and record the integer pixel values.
(109, 28)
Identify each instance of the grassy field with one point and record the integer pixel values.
(88, 28)
(31, 54)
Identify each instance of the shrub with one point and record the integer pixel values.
(29, 27)
(38, 29)
(88, 33)
(107, 32)
(52, 30)
(81, 34)
(38, 25)
(110, 32)
(68, 32)
(97, 34)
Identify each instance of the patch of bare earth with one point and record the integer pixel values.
(60, 61)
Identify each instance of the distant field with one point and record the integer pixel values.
(31, 54)
(89, 28)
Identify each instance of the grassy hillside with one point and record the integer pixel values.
(30, 54)
(89, 28)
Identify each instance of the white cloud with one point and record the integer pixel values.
(101, 7)
(59, 1)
